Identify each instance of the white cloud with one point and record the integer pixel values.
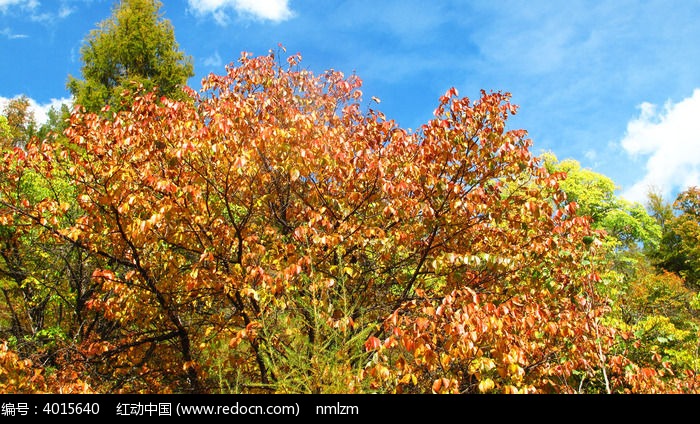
(65, 11)
(26, 4)
(41, 110)
(272, 10)
(51, 17)
(44, 17)
(669, 139)
(213, 61)
(36, 12)
(7, 32)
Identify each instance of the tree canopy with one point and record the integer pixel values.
(18, 125)
(266, 235)
(679, 250)
(5, 131)
(134, 47)
(626, 224)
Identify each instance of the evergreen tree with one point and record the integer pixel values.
(135, 46)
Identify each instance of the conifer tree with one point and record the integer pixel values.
(135, 46)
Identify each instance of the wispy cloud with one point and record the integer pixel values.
(591, 155)
(213, 61)
(267, 10)
(669, 139)
(34, 10)
(43, 17)
(7, 32)
(65, 11)
(577, 71)
(40, 110)
(24, 4)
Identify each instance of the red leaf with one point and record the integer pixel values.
(373, 343)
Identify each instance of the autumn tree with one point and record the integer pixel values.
(43, 281)
(627, 225)
(688, 227)
(654, 315)
(21, 375)
(678, 251)
(25, 301)
(5, 131)
(626, 231)
(266, 235)
(135, 46)
(20, 123)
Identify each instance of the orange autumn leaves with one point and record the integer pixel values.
(268, 232)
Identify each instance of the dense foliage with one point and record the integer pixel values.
(270, 234)
(266, 234)
(17, 123)
(134, 46)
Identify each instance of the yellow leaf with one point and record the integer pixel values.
(349, 271)
(486, 385)
(294, 174)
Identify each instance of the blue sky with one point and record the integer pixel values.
(614, 84)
